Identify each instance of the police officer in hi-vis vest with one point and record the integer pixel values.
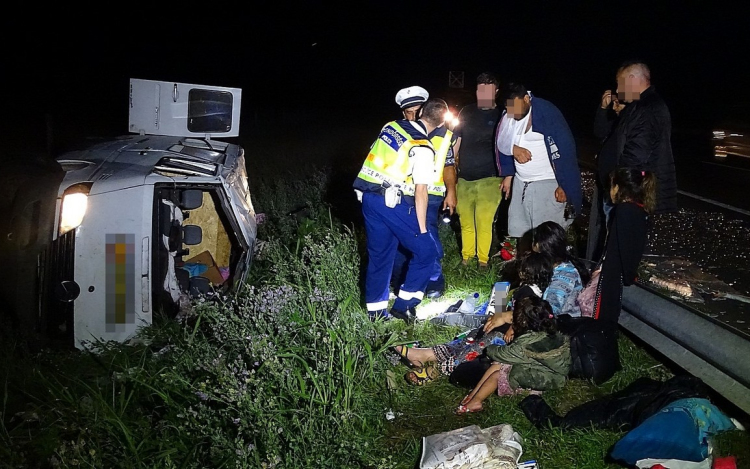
(442, 192)
(393, 185)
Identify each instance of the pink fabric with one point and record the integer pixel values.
(587, 297)
(503, 385)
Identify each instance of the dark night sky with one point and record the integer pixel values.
(566, 52)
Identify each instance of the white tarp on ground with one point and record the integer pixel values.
(497, 447)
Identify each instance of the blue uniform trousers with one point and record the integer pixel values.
(386, 228)
(401, 263)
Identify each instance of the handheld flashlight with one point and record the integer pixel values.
(446, 215)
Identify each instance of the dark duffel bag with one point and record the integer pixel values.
(593, 347)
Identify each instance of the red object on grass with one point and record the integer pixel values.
(727, 462)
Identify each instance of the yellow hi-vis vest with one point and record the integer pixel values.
(442, 144)
(388, 161)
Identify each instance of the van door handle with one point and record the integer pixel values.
(145, 268)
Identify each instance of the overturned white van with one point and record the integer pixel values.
(150, 219)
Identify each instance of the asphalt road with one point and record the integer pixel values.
(724, 182)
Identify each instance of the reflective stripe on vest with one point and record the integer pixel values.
(442, 144)
(388, 161)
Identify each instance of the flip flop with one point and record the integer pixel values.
(422, 375)
(403, 355)
(462, 409)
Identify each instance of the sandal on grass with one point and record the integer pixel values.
(403, 355)
(422, 375)
(462, 409)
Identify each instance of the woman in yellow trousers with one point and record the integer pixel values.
(477, 205)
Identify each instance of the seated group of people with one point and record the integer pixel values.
(519, 348)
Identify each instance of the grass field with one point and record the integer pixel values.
(287, 374)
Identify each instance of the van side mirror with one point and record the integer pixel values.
(191, 199)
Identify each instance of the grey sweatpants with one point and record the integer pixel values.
(531, 204)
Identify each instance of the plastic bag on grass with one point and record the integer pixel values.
(453, 316)
(460, 319)
(497, 447)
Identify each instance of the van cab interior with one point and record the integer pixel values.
(196, 247)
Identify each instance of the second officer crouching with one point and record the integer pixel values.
(393, 188)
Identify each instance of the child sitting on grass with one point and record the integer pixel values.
(538, 358)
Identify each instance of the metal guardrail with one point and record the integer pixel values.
(701, 346)
(695, 342)
(714, 202)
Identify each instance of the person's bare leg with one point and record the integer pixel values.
(418, 356)
(482, 392)
(490, 371)
(493, 368)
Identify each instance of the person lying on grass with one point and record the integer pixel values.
(534, 272)
(538, 358)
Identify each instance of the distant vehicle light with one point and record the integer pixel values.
(455, 122)
(448, 116)
(719, 134)
(73, 210)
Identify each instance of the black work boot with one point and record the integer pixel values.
(435, 288)
(407, 316)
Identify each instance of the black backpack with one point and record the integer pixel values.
(593, 347)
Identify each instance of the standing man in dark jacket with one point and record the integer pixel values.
(605, 122)
(640, 138)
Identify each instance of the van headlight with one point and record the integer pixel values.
(73, 209)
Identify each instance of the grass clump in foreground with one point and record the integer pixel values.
(287, 374)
